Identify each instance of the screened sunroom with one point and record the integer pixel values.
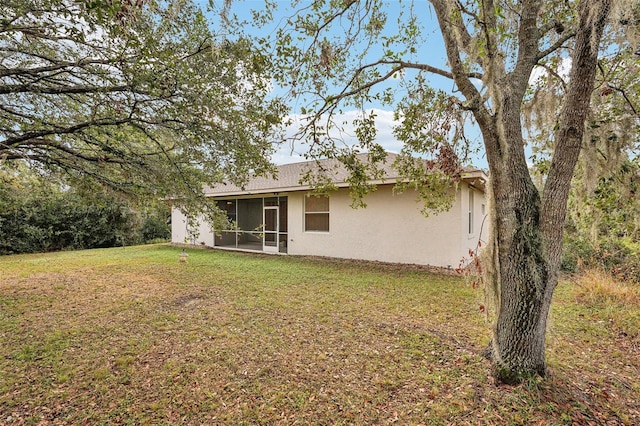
(260, 224)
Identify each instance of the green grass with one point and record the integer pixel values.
(132, 336)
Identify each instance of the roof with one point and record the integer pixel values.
(289, 177)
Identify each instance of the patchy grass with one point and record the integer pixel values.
(618, 301)
(599, 288)
(132, 336)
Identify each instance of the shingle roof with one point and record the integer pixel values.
(289, 177)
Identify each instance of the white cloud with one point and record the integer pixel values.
(539, 74)
(294, 151)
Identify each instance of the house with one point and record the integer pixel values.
(281, 216)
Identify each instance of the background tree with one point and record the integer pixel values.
(40, 214)
(603, 226)
(139, 96)
(340, 55)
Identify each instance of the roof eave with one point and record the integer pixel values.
(476, 178)
(297, 188)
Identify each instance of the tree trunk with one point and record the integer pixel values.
(518, 344)
(529, 231)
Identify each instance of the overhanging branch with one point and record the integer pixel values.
(36, 135)
(555, 46)
(59, 65)
(62, 90)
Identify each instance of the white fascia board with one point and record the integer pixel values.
(279, 190)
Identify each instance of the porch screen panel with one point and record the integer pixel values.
(271, 226)
(271, 201)
(250, 223)
(229, 207)
(282, 237)
(250, 214)
(247, 215)
(283, 214)
(225, 239)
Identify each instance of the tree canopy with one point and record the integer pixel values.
(334, 55)
(139, 96)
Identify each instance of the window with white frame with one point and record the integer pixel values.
(316, 213)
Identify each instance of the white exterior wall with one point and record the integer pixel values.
(178, 226)
(181, 234)
(390, 229)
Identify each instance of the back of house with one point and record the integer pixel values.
(283, 216)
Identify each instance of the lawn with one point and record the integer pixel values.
(132, 336)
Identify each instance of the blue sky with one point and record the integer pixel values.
(433, 49)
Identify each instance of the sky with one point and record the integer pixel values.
(433, 50)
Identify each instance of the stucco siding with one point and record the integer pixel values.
(178, 226)
(181, 233)
(390, 229)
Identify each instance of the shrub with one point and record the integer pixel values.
(155, 229)
(39, 216)
(618, 256)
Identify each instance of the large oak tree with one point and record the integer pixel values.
(337, 55)
(139, 96)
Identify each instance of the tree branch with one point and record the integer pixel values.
(593, 14)
(460, 76)
(555, 46)
(626, 98)
(59, 65)
(36, 135)
(49, 144)
(527, 47)
(61, 90)
(431, 69)
(490, 30)
(465, 37)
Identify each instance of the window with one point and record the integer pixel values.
(470, 211)
(316, 213)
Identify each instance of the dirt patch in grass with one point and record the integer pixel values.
(237, 339)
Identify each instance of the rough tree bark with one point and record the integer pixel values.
(528, 228)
